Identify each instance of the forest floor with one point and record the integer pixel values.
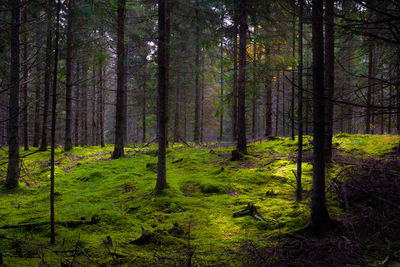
(108, 214)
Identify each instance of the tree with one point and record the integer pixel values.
(53, 125)
(47, 74)
(196, 137)
(241, 144)
(120, 105)
(329, 76)
(319, 214)
(68, 88)
(162, 105)
(13, 110)
(300, 107)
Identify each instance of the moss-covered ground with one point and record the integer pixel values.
(193, 215)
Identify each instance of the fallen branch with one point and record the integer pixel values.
(70, 224)
(250, 210)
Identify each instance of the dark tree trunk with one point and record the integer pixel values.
(13, 107)
(120, 105)
(77, 105)
(25, 87)
(202, 88)
(184, 107)
(293, 96)
(221, 117)
(53, 126)
(93, 98)
(144, 109)
(177, 107)
(300, 107)
(254, 93)
(329, 76)
(241, 144)
(84, 99)
(268, 98)
(369, 90)
(277, 103)
(320, 220)
(162, 104)
(235, 73)
(36, 123)
(47, 74)
(101, 103)
(196, 137)
(68, 87)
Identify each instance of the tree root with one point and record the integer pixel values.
(250, 210)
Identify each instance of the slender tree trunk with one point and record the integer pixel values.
(268, 98)
(162, 104)
(120, 105)
(101, 103)
(350, 85)
(235, 74)
(382, 119)
(300, 107)
(241, 144)
(202, 88)
(329, 76)
(320, 220)
(177, 103)
(84, 112)
(283, 105)
(221, 117)
(254, 93)
(292, 116)
(36, 124)
(68, 87)
(369, 90)
(47, 74)
(53, 126)
(77, 105)
(144, 109)
(197, 107)
(277, 103)
(25, 87)
(13, 107)
(184, 108)
(94, 95)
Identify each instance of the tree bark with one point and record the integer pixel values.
(196, 137)
(293, 96)
(299, 189)
(13, 107)
(241, 144)
(25, 85)
(53, 126)
(235, 73)
(78, 107)
(120, 104)
(68, 87)
(84, 110)
(268, 98)
(320, 220)
(329, 76)
(277, 103)
(47, 74)
(369, 90)
(144, 108)
(162, 104)
(36, 123)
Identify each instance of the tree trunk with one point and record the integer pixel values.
(202, 88)
(120, 104)
(235, 73)
(241, 144)
(162, 104)
(268, 98)
(84, 99)
(329, 76)
(53, 126)
(254, 92)
(196, 137)
(77, 105)
(13, 107)
(277, 103)
(369, 90)
(47, 74)
(144, 109)
(300, 107)
(68, 87)
(320, 220)
(221, 117)
(36, 123)
(101, 103)
(93, 98)
(25, 87)
(292, 116)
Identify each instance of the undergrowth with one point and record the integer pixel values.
(192, 217)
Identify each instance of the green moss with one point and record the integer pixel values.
(205, 189)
